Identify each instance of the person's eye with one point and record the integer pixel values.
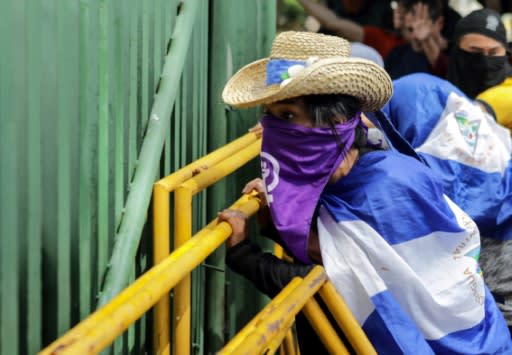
(288, 115)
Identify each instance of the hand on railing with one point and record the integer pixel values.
(264, 219)
(257, 129)
(239, 225)
(258, 186)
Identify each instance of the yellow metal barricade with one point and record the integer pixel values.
(269, 327)
(172, 270)
(101, 328)
(185, 183)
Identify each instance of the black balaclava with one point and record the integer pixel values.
(475, 72)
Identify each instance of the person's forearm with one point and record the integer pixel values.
(268, 273)
(327, 18)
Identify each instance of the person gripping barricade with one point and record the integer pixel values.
(398, 250)
(472, 155)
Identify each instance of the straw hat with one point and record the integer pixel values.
(304, 63)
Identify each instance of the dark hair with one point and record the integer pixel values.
(435, 7)
(331, 109)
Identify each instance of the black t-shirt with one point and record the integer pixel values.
(403, 60)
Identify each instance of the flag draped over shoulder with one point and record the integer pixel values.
(405, 258)
(468, 150)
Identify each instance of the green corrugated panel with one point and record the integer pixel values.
(33, 291)
(88, 181)
(10, 125)
(49, 126)
(78, 79)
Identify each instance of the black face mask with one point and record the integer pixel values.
(475, 72)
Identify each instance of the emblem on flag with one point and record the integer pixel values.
(468, 129)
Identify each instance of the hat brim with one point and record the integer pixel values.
(356, 77)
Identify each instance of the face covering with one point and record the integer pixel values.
(296, 164)
(474, 73)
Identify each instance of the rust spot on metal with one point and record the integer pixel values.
(274, 326)
(198, 170)
(62, 347)
(262, 340)
(318, 280)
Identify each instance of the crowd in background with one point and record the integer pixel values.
(465, 42)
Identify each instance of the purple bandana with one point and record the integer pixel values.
(296, 164)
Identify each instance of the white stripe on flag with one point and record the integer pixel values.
(431, 277)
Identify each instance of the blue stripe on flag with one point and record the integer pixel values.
(488, 337)
(391, 331)
(371, 195)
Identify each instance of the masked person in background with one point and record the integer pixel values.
(479, 62)
(399, 251)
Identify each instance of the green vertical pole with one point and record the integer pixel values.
(119, 67)
(133, 91)
(33, 167)
(88, 192)
(49, 114)
(128, 237)
(9, 268)
(220, 25)
(65, 106)
(157, 42)
(145, 66)
(103, 140)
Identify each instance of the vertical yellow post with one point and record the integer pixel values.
(161, 250)
(346, 320)
(278, 251)
(182, 233)
(289, 343)
(323, 328)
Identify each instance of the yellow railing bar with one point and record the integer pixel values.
(182, 291)
(172, 181)
(289, 344)
(161, 233)
(260, 317)
(323, 328)
(206, 171)
(217, 172)
(161, 249)
(346, 320)
(102, 327)
(261, 336)
(183, 232)
(279, 338)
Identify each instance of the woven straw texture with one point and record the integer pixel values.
(334, 74)
(302, 45)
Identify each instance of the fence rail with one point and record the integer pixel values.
(102, 327)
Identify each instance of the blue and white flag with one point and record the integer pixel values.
(462, 144)
(405, 259)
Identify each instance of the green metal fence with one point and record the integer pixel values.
(78, 82)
